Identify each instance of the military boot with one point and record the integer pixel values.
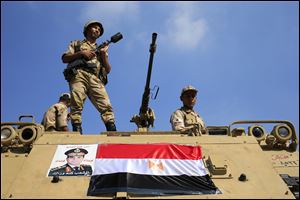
(77, 127)
(110, 126)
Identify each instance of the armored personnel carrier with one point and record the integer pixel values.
(239, 160)
(241, 163)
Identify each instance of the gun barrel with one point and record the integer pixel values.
(154, 36)
(146, 116)
(145, 100)
(152, 51)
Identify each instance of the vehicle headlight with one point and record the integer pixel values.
(8, 133)
(258, 132)
(27, 134)
(282, 133)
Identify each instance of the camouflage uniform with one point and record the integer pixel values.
(185, 119)
(56, 117)
(87, 83)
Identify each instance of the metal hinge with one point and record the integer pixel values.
(218, 167)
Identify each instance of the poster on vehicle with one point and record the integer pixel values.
(73, 160)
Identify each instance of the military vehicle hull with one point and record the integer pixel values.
(237, 165)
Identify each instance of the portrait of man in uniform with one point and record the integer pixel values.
(73, 167)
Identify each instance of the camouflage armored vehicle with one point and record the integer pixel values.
(239, 160)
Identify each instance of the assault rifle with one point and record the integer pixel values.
(146, 117)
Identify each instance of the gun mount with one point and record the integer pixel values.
(146, 117)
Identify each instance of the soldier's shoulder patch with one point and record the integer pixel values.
(75, 42)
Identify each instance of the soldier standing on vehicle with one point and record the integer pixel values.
(89, 76)
(56, 118)
(185, 119)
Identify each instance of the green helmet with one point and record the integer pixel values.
(187, 88)
(92, 22)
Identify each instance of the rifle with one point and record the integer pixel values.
(71, 69)
(146, 116)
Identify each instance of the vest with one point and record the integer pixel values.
(192, 118)
(102, 73)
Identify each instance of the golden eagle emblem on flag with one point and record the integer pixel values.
(155, 166)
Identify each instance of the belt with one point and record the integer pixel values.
(89, 70)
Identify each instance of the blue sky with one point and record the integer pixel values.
(243, 57)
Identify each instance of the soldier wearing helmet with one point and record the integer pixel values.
(185, 119)
(85, 81)
(56, 117)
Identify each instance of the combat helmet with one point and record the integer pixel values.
(92, 22)
(187, 88)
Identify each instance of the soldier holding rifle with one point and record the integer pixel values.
(86, 73)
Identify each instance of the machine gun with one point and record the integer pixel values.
(71, 69)
(146, 116)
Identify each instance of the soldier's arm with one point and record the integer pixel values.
(69, 57)
(104, 58)
(70, 54)
(62, 118)
(177, 121)
(203, 129)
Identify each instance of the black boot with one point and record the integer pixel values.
(110, 126)
(77, 127)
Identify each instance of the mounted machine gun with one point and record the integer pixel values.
(146, 117)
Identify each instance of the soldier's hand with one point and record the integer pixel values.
(187, 129)
(87, 54)
(104, 51)
(204, 131)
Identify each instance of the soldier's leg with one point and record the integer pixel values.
(99, 97)
(78, 95)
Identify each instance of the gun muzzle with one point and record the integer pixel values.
(154, 36)
(115, 38)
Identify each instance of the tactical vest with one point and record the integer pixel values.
(192, 118)
(102, 73)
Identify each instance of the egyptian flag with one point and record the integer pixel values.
(150, 169)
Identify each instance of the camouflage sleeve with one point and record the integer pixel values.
(62, 116)
(70, 49)
(202, 122)
(177, 121)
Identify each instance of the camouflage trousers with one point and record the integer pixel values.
(87, 84)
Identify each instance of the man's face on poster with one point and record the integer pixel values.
(75, 158)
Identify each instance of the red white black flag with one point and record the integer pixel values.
(151, 169)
